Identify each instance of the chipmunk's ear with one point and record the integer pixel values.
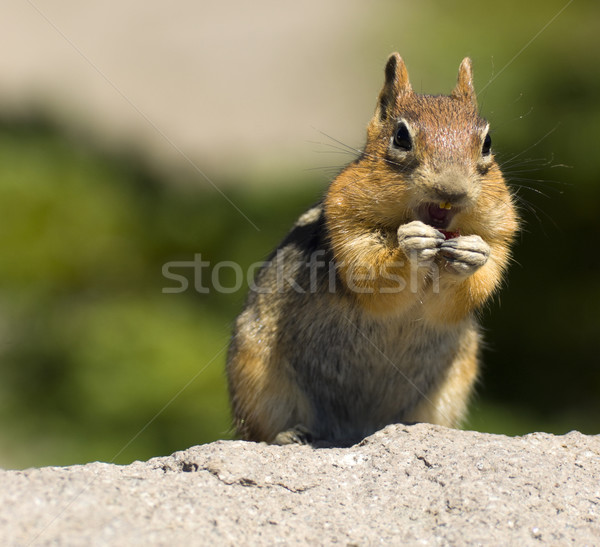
(396, 84)
(464, 89)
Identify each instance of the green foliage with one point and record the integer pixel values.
(99, 363)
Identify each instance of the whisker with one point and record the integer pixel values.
(544, 137)
(331, 169)
(338, 141)
(513, 162)
(509, 121)
(535, 190)
(334, 149)
(360, 152)
(535, 209)
(547, 183)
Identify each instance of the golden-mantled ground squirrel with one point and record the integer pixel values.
(364, 314)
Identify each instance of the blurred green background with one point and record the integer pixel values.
(97, 363)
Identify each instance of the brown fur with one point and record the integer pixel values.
(384, 330)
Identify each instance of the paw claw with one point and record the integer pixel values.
(419, 240)
(295, 435)
(466, 254)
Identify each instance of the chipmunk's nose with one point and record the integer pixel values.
(449, 187)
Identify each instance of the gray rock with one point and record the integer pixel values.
(415, 485)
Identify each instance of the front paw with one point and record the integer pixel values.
(295, 435)
(465, 254)
(419, 241)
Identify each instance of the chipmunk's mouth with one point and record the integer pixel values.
(438, 215)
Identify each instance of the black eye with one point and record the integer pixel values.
(402, 138)
(487, 145)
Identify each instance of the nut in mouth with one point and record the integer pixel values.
(438, 215)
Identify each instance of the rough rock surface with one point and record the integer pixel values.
(419, 484)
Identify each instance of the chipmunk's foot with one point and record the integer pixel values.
(295, 435)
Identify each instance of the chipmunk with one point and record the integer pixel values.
(365, 313)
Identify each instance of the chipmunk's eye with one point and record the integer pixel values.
(402, 138)
(487, 145)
